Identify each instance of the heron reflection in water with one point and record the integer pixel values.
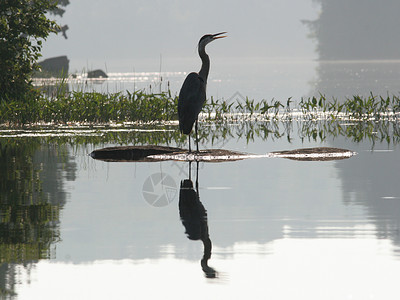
(194, 219)
(193, 92)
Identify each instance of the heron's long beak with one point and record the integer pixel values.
(216, 36)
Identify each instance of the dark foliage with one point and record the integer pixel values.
(23, 27)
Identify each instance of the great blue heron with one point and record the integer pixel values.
(194, 218)
(193, 92)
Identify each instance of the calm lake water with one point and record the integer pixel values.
(260, 78)
(72, 227)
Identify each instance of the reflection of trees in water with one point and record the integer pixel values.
(31, 196)
(372, 183)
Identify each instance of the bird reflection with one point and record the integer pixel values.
(194, 219)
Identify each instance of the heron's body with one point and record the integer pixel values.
(191, 100)
(193, 92)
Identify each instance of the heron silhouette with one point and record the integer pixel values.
(193, 92)
(194, 218)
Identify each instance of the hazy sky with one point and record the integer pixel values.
(133, 34)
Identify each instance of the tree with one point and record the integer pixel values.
(60, 12)
(357, 29)
(23, 27)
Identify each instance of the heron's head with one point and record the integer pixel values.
(205, 39)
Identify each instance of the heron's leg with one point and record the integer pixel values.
(189, 144)
(197, 177)
(197, 138)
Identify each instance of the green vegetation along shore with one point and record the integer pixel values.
(141, 107)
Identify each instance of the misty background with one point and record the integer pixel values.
(275, 49)
(132, 34)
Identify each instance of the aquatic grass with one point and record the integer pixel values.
(63, 107)
(90, 107)
(313, 108)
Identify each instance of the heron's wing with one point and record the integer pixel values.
(191, 99)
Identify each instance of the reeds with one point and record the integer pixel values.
(91, 107)
(141, 107)
(312, 108)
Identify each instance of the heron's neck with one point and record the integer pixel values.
(205, 66)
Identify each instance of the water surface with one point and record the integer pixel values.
(278, 228)
(261, 78)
